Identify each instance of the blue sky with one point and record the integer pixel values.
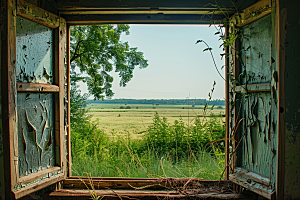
(178, 68)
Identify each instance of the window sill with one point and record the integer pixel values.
(139, 194)
(119, 188)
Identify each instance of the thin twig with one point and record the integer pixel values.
(212, 56)
(114, 192)
(187, 183)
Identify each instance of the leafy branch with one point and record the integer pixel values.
(98, 50)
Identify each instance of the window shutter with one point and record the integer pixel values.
(35, 100)
(253, 106)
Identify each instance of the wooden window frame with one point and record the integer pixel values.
(26, 10)
(248, 15)
(9, 91)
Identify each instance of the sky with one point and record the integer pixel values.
(178, 68)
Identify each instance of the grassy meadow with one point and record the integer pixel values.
(148, 140)
(135, 121)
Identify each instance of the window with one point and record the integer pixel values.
(155, 126)
(27, 93)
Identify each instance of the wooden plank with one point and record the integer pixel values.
(69, 158)
(59, 75)
(255, 8)
(207, 8)
(132, 21)
(253, 176)
(36, 87)
(160, 11)
(153, 4)
(57, 112)
(255, 12)
(113, 184)
(36, 14)
(256, 17)
(61, 84)
(236, 116)
(129, 183)
(143, 18)
(8, 89)
(34, 176)
(281, 23)
(142, 194)
(37, 186)
(253, 186)
(260, 87)
(227, 109)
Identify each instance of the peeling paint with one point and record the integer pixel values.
(257, 152)
(37, 14)
(35, 132)
(34, 52)
(257, 37)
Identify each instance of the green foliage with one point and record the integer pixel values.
(77, 106)
(87, 140)
(96, 51)
(166, 150)
(178, 139)
(123, 107)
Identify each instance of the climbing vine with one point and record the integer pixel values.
(229, 40)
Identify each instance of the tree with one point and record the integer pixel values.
(96, 51)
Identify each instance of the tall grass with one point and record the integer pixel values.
(166, 150)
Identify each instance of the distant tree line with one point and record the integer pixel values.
(218, 102)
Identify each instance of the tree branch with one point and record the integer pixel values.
(76, 55)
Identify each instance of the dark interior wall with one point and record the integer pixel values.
(2, 191)
(291, 23)
(49, 5)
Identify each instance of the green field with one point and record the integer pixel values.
(152, 141)
(134, 121)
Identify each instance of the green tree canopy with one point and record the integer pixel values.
(96, 51)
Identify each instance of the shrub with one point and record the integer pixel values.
(88, 140)
(164, 144)
(178, 139)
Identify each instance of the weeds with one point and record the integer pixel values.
(166, 150)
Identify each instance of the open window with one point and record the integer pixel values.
(35, 101)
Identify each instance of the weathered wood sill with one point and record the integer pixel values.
(133, 188)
